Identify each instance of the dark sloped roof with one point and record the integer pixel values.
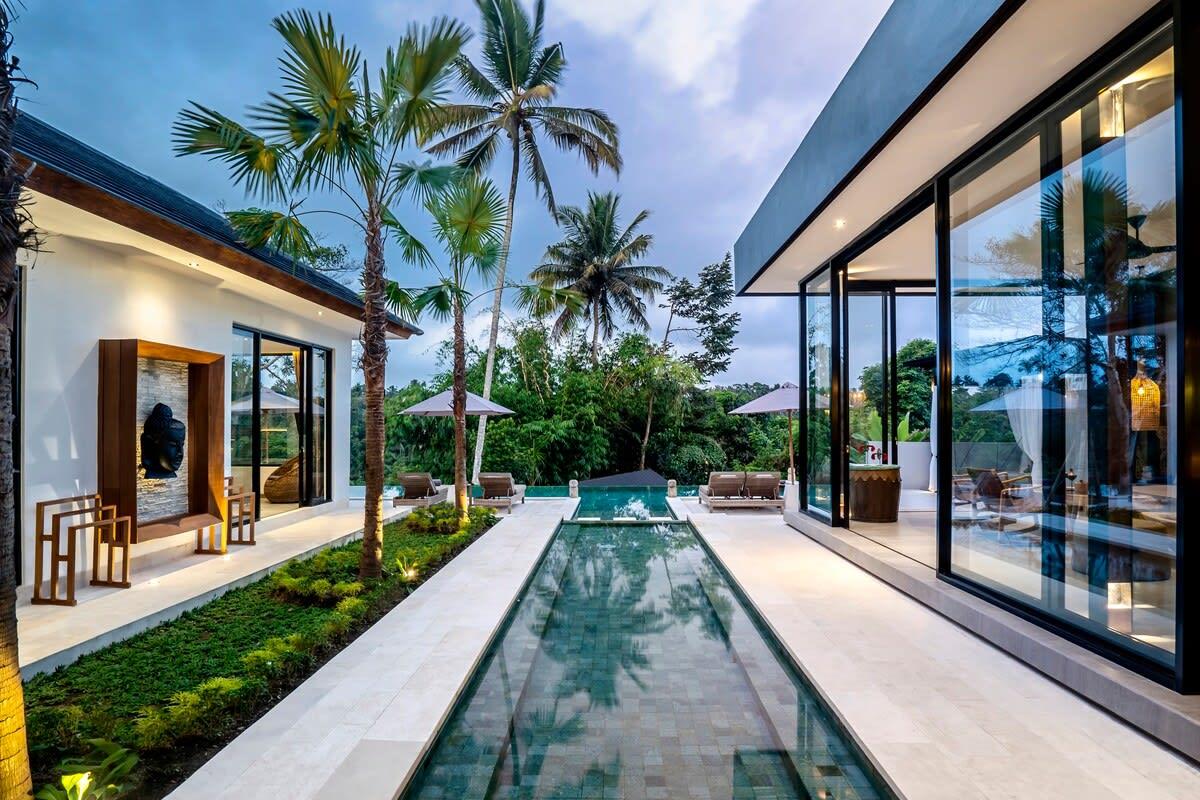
(642, 477)
(52, 148)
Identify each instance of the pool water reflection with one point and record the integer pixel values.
(629, 668)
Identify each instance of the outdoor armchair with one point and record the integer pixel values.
(420, 490)
(499, 491)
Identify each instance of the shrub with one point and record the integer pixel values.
(305, 590)
(443, 518)
(280, 657)
(189, 714)
(100, 775)
(352, 607)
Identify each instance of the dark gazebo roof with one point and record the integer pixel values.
(642, 477)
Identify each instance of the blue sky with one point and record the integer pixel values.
(712, 97)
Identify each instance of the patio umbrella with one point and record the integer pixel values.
(442, 405)
(267, 401)
(785, 399)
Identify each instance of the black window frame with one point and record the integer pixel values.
(308, 496)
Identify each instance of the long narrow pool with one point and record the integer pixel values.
(629, 668)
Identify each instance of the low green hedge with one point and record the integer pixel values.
(177, 691)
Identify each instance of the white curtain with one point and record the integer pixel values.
(933, 438)
(1025, 416)
(1076, 425)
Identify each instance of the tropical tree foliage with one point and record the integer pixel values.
(701, 309)
(597, 259)
(574, 419)
(511, 95)
(337, 129)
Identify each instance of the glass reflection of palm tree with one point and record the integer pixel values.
(1114, 274)
(607, 579)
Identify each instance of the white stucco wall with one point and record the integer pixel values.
(80, 292)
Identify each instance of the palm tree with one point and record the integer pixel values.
(512, 92)
(596, 259)
(16, 233)
(332, 130)
(468, 219)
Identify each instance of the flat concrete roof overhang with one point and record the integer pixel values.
(935, 78)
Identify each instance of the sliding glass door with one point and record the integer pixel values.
(820, 318)
(1063, 281)
(279, 394)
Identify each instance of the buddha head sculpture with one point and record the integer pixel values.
(163, 439)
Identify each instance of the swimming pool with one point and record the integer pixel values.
(613, 502)
(629, 667)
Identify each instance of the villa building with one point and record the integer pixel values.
(986, 231)
(144, 297)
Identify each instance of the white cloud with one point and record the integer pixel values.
(692, 43)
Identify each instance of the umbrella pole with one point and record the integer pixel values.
(791, 449)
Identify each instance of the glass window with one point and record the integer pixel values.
(281, 420)
(241, 394)
(818, 383)
(320, 429)
(1063, 277)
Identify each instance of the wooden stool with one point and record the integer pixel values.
(215, 534)
(239, 509)
(51, 535)
(116, 532)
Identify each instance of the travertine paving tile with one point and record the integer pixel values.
(943, 713)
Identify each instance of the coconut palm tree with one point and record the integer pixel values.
(468, 219)
(337, 128)
(596, 259)
(512, 91)
(16, 233)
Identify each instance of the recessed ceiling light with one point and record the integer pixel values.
(320, 313)
(839, 223)
(194, 264)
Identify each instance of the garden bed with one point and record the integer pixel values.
(179, 692)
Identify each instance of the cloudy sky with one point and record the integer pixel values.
(712, 97)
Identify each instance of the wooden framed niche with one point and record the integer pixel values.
(120, 429)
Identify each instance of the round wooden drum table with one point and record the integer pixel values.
(874, 492)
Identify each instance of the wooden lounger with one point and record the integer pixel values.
(420, 491)
(499, 491)
(758, 490)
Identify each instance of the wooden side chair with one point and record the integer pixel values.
(107, 529)
(239, 511)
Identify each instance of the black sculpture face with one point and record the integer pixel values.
(163, 438)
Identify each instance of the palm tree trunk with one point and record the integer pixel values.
(14, 754)
(494, 333)
(461, 488)
(595, 334)
(374, 367)
(15, 780)
(646, 433)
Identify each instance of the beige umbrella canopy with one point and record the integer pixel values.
(442, 405)
(785, 399)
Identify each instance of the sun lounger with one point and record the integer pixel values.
(420, 490)
(499, 491)
(742, 490)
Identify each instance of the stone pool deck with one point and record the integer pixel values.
(51, 636)
(941, 713)
(358, 727)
